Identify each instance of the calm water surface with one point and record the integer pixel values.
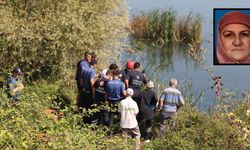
(161, 64)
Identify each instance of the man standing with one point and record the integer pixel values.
(135, 79)
(81, 66)
(99, 97)
(14, 85)
(147, 102)
(129, 109)
(87, 82)
(115, 92)
(170, 101)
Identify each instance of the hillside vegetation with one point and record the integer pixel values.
(47, 37)
(30, 125)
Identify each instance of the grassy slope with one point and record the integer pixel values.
(29, 126)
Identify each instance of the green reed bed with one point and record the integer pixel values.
(163, 26)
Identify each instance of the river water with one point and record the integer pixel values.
(161, 64)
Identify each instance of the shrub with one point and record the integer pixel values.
(27, 126)
(48, 37)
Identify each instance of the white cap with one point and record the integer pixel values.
(130, 91)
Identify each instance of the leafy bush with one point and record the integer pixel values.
(27, 125)
(48, 37)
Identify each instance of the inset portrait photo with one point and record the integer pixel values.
(231, 36)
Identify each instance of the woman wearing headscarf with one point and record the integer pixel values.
(233, 46)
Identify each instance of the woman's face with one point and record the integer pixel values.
(235, 39)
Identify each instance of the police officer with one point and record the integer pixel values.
(135, 79)
(99, 97)
(81, 66)
(87, 82)
(115, 92)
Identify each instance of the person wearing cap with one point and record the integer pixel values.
(233, 40)
(128, 109)
(87, 81)
(114, 93)
(135, 79)
(99, 97)
(147, 102)
(170, 101)
(15, 85)
(129, 67)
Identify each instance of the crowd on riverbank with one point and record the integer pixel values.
(121, 91)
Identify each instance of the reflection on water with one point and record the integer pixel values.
(159, 59)
(172, 61)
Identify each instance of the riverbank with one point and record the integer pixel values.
(27, 126)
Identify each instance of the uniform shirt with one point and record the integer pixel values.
(171, 98)
(128, 109)
(82, 65)
(135, 80)
(124, 74)
(12, 83)
(147, 99)
(115, 89)
(86, 76)
(99, 90)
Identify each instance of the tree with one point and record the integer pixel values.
(48, 37)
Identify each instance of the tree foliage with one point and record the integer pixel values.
(48, 37)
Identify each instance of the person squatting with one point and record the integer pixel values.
(121, 91)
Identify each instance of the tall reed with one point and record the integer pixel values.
(162, 26)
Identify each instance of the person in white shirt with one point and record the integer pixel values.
(128, 109)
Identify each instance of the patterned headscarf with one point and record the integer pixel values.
(234, 17)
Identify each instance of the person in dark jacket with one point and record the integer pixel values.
(129, 67)
(135, 79)
(99, 97)
(147, 102)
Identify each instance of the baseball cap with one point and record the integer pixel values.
(18, 71)
(130, 64)
(130, 91)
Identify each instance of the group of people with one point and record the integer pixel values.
(122, 90)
